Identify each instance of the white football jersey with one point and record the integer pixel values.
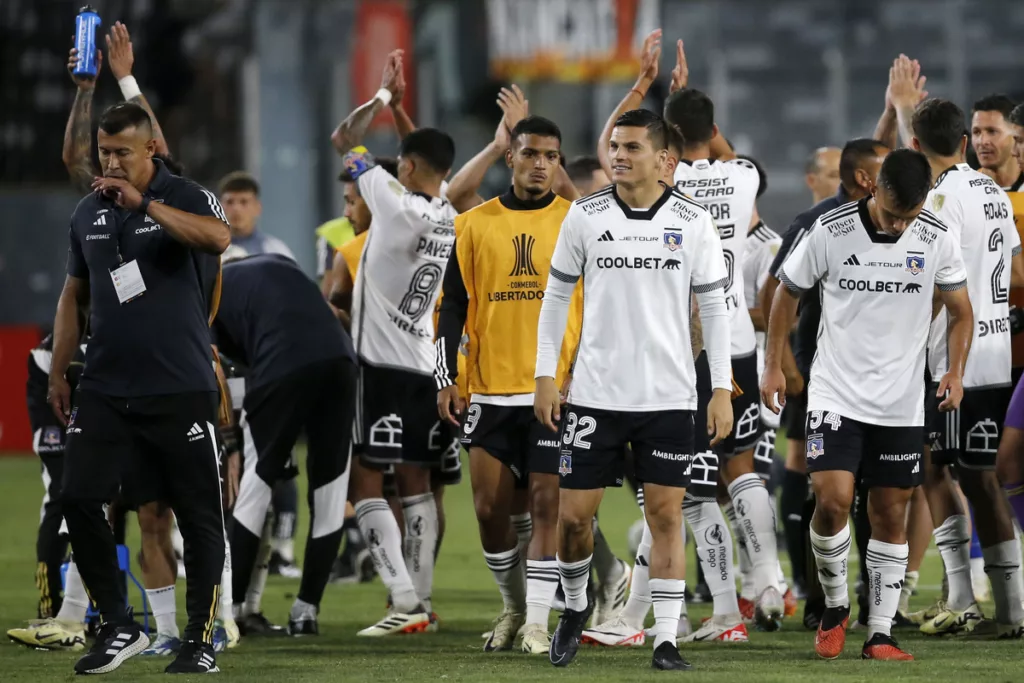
(876, 301)
(980, 219)
(762, 245)
(638, 267)
(399, 277)
(729, 191)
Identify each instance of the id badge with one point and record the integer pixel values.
(128, 281)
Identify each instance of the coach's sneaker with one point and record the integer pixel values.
(50, 634)
(667, 658)
(611, 597)
(397, 623)
(163, 645)
(727, 629)
(884, 648)
(566, 640)
(256, 625)
(831, 636)
(503, 635)
(953, 621)
(194, 658)
(928, 613)
(770, 609)
(615, 633)
(114, 644)
(536, 640)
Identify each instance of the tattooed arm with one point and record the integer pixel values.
(122, 59)
(78, 132)
(351, 131)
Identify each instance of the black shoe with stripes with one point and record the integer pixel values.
(566, 640)
(114, 644)
(194, 657)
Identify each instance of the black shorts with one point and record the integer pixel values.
(764, 455)
(794, 416)
(449, 473)
(969, 436)
(151, 448)
(592, 452)
(512, 435)
(703, 486)
(880, 456)
(746, 408)
(396, 418)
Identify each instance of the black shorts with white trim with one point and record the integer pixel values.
(746, 408)
(512, 435)
(968, 436)
(881, 456)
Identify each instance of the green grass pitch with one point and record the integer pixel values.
(466, 600)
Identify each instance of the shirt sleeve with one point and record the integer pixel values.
(383, 195)
(807, 263)
(567, 265)
(708, 271)
(569, 258)
(454, 309)
(195, 199)
(77, 267)
(950, 273)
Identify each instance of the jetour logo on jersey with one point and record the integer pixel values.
(915, 262)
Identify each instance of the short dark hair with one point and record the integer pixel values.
(1017, 115)
(433, 146)
(582, 168)
(675, 137)
(239, 181)
(389, 164)
(693, 112)
(855, 153)
(939, 126)
(762, 177)
(657, 128)
(997, 102)
(124, 115)
(536, 125)
(906, 174)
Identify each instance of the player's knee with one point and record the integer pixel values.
(572, 524)
(154, 521)
(487, 506)
(544, 504)
(663, 517)
(831, 511)
(980, 485)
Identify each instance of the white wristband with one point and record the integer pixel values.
(384, 95)
(129, 87)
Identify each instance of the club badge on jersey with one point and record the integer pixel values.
(673, 241)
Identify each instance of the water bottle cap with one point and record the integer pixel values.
(87, 8)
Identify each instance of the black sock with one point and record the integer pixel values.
(794, 497)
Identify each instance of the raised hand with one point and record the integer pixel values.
(119, 47)
(85, 81)
(399, 92)
(906, 84)
(681, 72)
(650, 55)
(392, 77)
(514, 105)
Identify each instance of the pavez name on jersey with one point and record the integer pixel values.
(980, 219)
(638, 266)
(876, 311)
(400, 276)
(728, 190)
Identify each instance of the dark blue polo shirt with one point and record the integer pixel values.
(274, 319)
(159, 342)
(805, 339)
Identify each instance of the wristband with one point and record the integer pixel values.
(144, 206)
(384, 95)
(129, 87)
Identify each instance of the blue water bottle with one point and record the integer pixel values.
(86, 24)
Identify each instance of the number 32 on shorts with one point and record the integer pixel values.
(576, 429)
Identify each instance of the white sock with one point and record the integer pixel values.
(757, 519)
(575, 576)
(783, 585)
(953, 539)
(508, 573)
(420, 514)
(384, 541)
(977, 568)
(830, 555)
(1002, 564)
(887, 567)
(161, 602)
(284, 544)
(226, 595)
(541, 585)
(523, 524)
(638, 604)
(909, 584)
(177, 542)
(714, 549)
(746, 569)
(260, 571)
(667, 595)
(76, 600)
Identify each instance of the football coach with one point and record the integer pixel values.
(144, 258)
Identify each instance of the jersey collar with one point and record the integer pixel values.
(876, 235)
(510, 201)
(161, 178)
(642, 214)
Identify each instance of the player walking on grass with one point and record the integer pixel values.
(879, 261)
(640, 246)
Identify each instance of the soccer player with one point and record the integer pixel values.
(878, 261)
(493, 289)
(395, 291)
(992, 139)
(980, 219)
(641, 247)
(821, 173)
(728, 188)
